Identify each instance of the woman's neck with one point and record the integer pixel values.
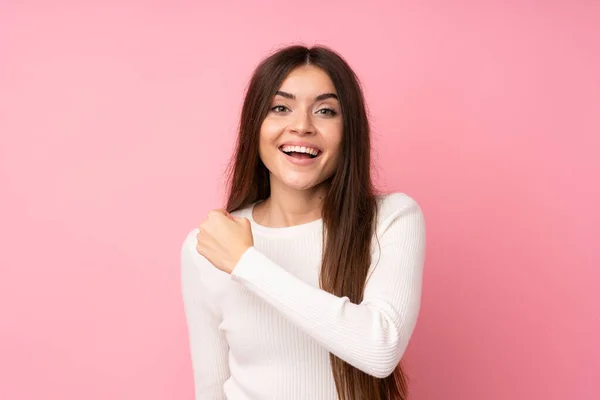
(288, 207)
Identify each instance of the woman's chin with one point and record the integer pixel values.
(297, 181)
(302, 184)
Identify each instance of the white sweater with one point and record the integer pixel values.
(265, 331)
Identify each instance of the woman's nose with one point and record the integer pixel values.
(302, 123)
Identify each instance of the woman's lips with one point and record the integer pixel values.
(300, 161)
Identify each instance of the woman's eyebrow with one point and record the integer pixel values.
(318, 98)
(285, 94)
(326, 96)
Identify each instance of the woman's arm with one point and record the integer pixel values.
(373, 335)
(207, 344)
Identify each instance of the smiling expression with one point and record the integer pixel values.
(300, 138)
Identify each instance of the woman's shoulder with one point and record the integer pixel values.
(391, 203)
(243, 212)
(393, 206)
(194, 264)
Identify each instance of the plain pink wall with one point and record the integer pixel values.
(117, 120)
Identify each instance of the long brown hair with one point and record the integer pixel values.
(349, 205)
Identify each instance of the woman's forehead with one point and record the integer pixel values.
(307, 81)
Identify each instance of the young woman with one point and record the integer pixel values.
(308, 284)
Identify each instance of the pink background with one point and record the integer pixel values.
(117, 120)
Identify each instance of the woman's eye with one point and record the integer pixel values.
(279, 109)
(327, 111)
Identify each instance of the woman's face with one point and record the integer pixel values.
(301, 136)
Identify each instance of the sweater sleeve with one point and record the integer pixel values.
(208, 346)
(373, 335)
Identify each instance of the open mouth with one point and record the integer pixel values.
(301, 154)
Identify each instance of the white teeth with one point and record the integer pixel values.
(300, 149)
